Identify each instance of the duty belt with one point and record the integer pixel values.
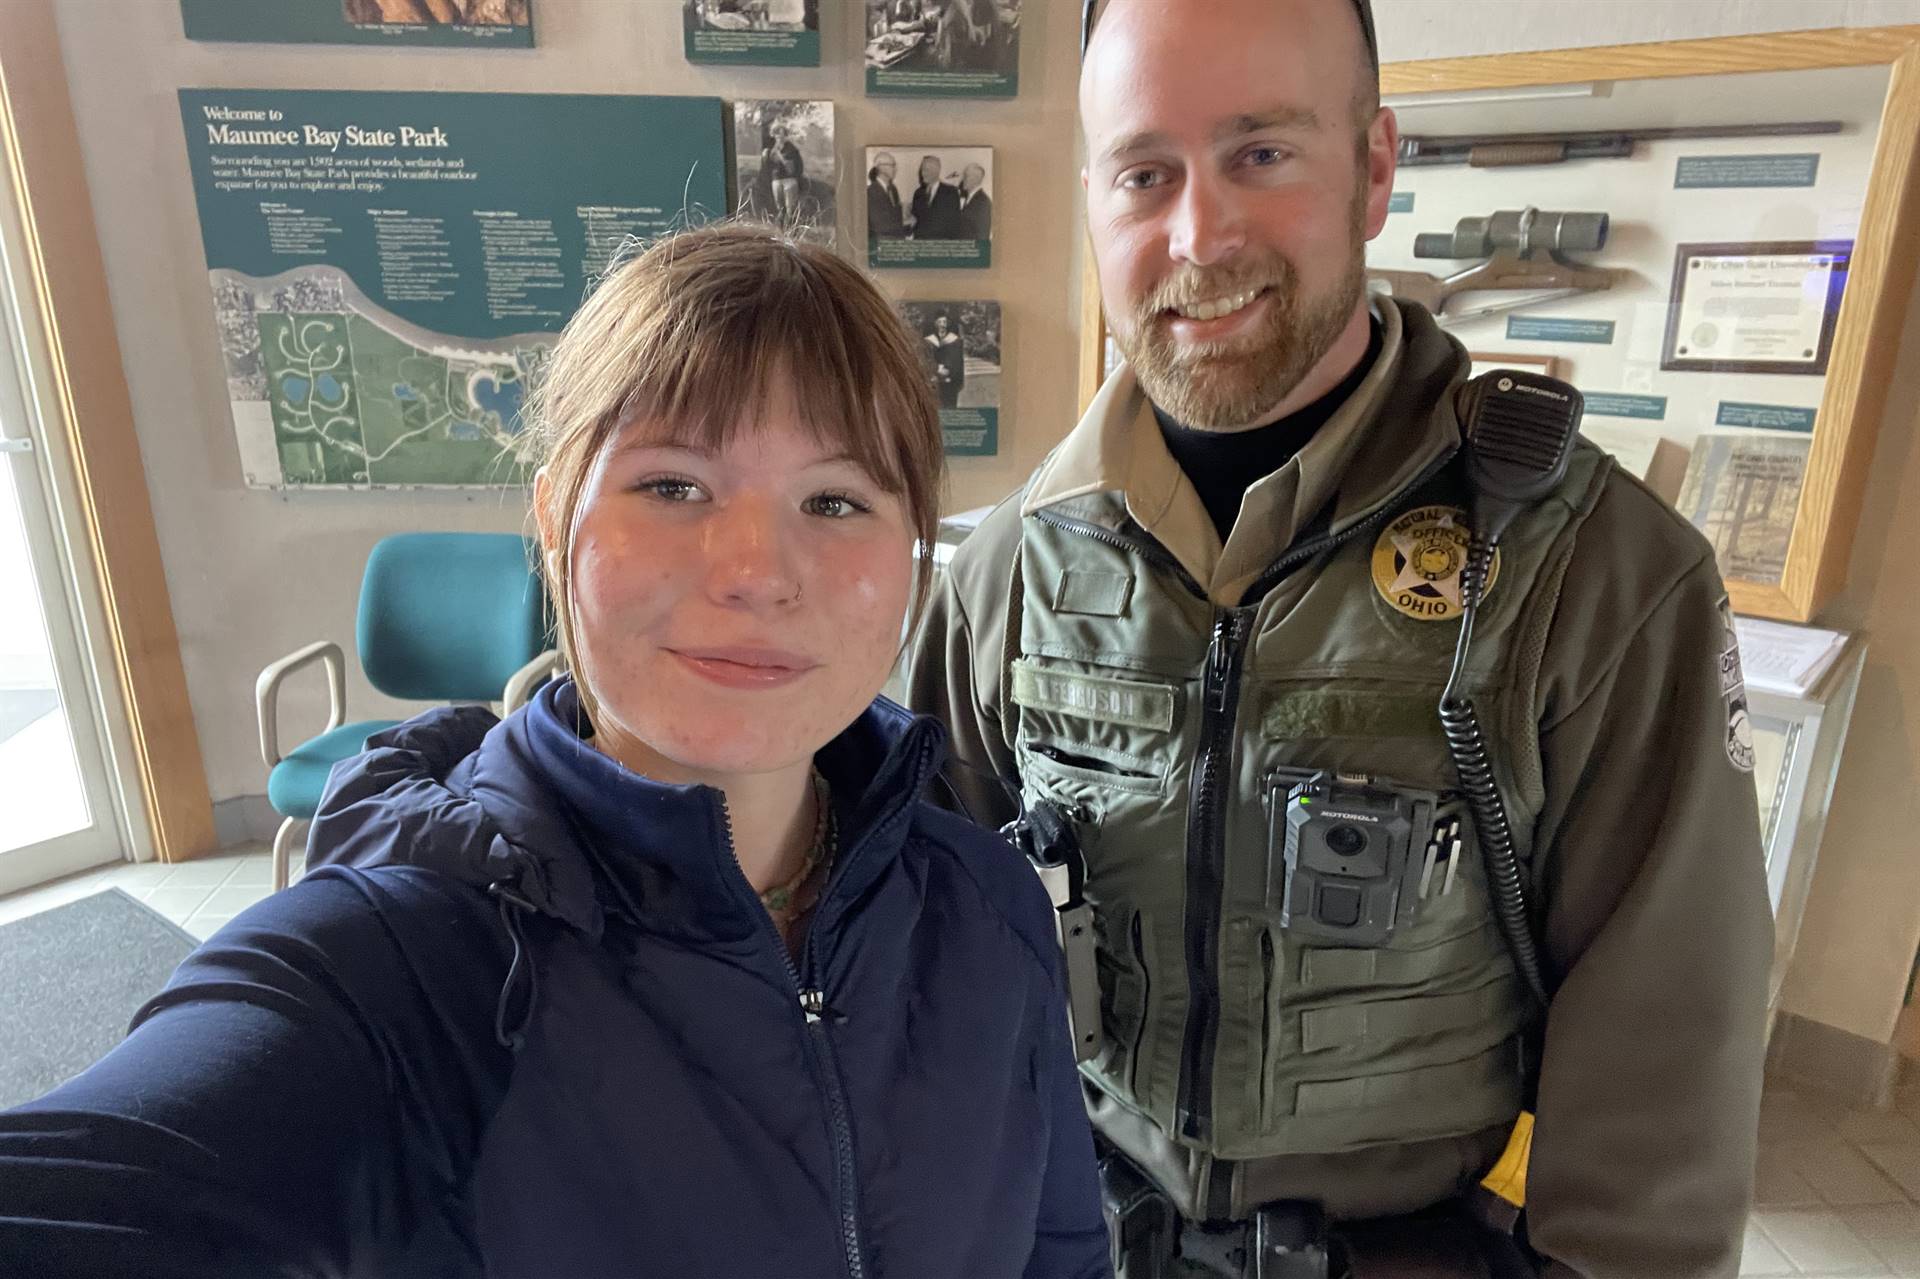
(1293, 1240)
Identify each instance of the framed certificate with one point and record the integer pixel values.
(1755, 308)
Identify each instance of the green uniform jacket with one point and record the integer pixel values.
(1609, 689)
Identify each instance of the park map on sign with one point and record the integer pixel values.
(390, 271)
(354, 398)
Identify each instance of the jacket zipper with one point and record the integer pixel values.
(812, 1003)
(1160, 557)
(1139, 950)
(1148, 550)
(1206, 872)
(1266, 1017)
(1206, 818)
(1307, 550)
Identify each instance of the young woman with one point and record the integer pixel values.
(672, 973)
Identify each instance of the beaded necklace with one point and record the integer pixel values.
(791, 900)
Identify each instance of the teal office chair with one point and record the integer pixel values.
(444, 617)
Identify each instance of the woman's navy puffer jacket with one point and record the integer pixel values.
(529, 1020)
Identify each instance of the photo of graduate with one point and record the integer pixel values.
(960, 347)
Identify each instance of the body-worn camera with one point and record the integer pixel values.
(1356, 853)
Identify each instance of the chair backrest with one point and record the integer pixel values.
(448, 617)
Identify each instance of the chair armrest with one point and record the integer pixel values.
(523, 682)
(266, 692)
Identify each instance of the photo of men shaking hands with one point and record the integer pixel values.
(942, 203)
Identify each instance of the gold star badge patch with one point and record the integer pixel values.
(1417, 562)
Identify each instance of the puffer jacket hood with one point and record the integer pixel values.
(460, 792)
(482, 787)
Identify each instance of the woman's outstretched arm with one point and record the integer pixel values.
(299, 1100)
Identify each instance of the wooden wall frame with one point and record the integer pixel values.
(41, 146)
(1867, 339)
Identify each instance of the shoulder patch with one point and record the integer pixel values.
(1417, 561)
(1733, 689)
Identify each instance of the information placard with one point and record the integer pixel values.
(389, 269)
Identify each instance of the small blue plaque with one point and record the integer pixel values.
(1543, 328)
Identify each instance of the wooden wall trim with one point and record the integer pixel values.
(1712, 55)
(1093, 326)
(42, 150)
(1866, 351)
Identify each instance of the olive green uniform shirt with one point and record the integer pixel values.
(1646, 869)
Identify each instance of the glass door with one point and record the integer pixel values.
(56, 798)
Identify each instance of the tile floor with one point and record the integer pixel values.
(1837, 1191)
(199, 895)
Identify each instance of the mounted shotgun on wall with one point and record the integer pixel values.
(1522, 250)
(1504, 150)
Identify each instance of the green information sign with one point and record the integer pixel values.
(929, 254)
(1771, 417)
(883, 82)
(970, 432)
(504, 24)
(1714, 172)
(389, 269)
(1544, 328)
(1651, 408)
(772, 33)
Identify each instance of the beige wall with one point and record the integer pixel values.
(254, 574)
(1862, 922)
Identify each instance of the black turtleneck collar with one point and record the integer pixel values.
(1223, 465)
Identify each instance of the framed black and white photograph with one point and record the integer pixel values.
(784, 164)
(960, 344)
(763, 33)
(929, 207)
(1755, 308)
(943, 48)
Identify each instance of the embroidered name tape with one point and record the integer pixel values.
(1095, 697)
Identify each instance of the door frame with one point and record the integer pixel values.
(85, 424)
(24, 469)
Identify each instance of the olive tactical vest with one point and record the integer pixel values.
(1158, 718)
